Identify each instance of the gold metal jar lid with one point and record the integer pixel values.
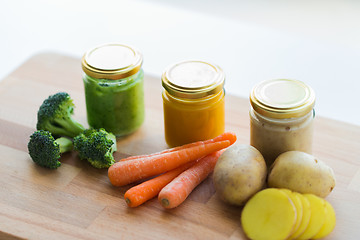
(282, 98)
(193, 79)
(112, 61)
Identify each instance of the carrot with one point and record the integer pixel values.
(173, 194)
(125, 172)
(139, 194)
(222, 137)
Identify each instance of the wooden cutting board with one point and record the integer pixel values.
(77, 201)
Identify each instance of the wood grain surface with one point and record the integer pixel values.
(77, 201)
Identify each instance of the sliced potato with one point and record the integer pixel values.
(269, 212)
(317, 218)
(298, 206)
(330, 222)
(306, 213)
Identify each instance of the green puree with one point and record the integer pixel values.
(116, 105)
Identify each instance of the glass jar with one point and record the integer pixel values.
(193, 102)
(281, 117)
(113, 81)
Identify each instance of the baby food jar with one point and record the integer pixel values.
(193, 101)
(114, 91)
(281, 117)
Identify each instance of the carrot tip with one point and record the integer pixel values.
(128, 202)
(165, 202)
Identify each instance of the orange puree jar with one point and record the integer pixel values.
(193, 101)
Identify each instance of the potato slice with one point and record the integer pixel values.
(298, 206)
(317, 218)
(269, 212)
(330, 222)
(306, 213)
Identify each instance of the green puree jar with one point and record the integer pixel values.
(114, 93)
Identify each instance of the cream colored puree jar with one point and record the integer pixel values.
(281, 117)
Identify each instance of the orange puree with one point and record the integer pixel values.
(194, 102)
(190, 121)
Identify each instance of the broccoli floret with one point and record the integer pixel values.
(96, 146)
(45, 150)
(55, 116)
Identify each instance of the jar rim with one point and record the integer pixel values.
(112, 61)
(193, 79)
(282, 98)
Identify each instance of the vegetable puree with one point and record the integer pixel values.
(273, 138)
(190, 122)
(117, 107)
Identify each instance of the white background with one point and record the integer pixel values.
(317, 42)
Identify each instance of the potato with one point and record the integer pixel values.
(295, 198)
(317, 217)
(301, 172)
(239, 173)
(330, 222)
(306, 214)
(282, 214)
(269, 214)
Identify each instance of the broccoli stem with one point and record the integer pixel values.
(71, 126)
(65, 144)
